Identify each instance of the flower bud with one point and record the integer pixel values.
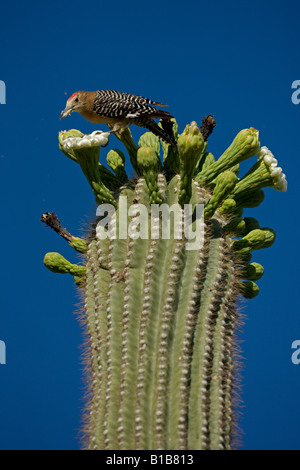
(249, 289)
(58, 264)
(255, 240)
(116, 161)
(225, 183)
(245, 145)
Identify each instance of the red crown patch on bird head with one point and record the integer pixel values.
(72, 96)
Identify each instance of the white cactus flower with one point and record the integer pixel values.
(95, 139)
(277, 175)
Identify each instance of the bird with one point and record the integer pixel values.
(119, 110)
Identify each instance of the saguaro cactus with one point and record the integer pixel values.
(160, 308)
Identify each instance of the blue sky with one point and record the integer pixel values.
(236, 60)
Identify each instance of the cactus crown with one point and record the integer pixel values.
(159, 310)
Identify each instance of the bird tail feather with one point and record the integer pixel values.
(165, 132)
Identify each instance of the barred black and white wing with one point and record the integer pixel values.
(119, 105)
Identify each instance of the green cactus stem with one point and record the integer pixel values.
(160, 301)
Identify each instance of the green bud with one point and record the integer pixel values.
(225, 183)
(58, 264)
(250, 224)
(79, 244)
(255, 240)
(235, 169)
(147, 160)
(240, 227)
(235, 227)
(228, 206)
(270, 236)
(249, 198)
(150, 140)
(249, 289)
(253, 272)
(190, 145)
(245, 145)
(239, 212)
(116, 161)
(149, 165)
(245, 259)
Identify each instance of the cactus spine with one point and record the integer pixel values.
(160, 316)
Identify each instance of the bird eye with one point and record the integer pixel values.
(76, 100)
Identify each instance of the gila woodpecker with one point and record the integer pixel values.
(119, 110)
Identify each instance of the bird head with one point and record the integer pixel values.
(76, 102)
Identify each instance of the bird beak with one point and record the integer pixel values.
(66, 112)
